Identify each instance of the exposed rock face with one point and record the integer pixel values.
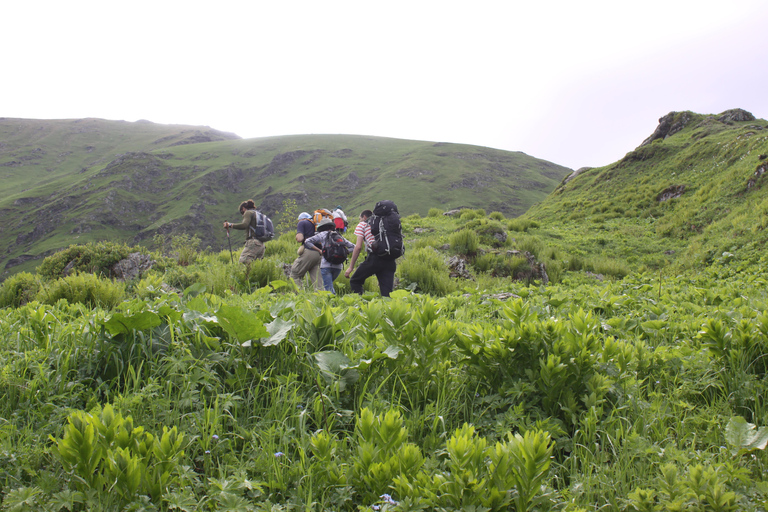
(669, 125)
(735, 115)
(458, 268)
(132, 267)
(672, 192)
(538, 270)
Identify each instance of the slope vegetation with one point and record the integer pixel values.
(691, 193)
(77, 181)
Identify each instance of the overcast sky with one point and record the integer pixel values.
(579, 83)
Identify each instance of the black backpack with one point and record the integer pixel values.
(334, 248)
(385, 228)
(261, 227)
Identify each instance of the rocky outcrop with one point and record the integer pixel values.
(669, 125)
(735, 115)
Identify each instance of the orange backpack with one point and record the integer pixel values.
(321, 214)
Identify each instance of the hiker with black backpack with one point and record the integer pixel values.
(334, 249)
(381, 233)
(259, 228)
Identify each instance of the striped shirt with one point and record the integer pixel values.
(363, 229)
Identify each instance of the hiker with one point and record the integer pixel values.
(324, 242)
(308, 262)
(259, 229)
(381, 232)
(340, 219)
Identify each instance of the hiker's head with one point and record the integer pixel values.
(325, 225)
(247, 205)
(366, 215)
(304, 215)
(339, 207)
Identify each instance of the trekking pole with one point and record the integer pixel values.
(231, 258)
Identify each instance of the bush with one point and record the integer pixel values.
(428, 270)
(283, 248)
(185, 247)
(19, 289)
(497, 216)
(434, 212)
(521, 225)
(502, 265)
(88, 289)
(259, 274)
(467, 214)
(465, 242)
(490, 232)
(97, 258)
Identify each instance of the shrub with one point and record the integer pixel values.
(428, 270)
(259, 274)
(465, 242)
(468, 214)
(88, 289)
(490, 232)
(607, 266)
(521, 225)
(283, 248)
(186, 248)
(497, 216)
(19, 289)
(502, 265)
(97, 258)
(434, 212)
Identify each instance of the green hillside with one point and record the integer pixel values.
(75, 181)
(692, 192)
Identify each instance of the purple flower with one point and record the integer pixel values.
(215, 437)
(207, 452)
(376, 507)
(279, 454)
(388, 499)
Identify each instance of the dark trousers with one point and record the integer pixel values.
(384, 270)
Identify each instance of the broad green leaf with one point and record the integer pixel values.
(121, 323)
(744, 437)
(194, 290)
(335, 367)
(241, 324)
(400, 294)
(278, 330)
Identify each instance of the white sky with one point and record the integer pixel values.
(579, 83)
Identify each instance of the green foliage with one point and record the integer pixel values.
(18, 289)
(497, 216)
(465, 242)
(104, 451)
(97, 258)
(185, 246)
(503, 265)
(287, 217)
(434, 212)
(85, 289)
(521, 225)
(426, 268)
(490, 232)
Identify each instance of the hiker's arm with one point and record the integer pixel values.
(300, 237)
(310, 242)
(355, 254)
(245, 223)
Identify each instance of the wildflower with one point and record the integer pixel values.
(207, 452)
(215, 437)
(299, 406)
(376, 507)
(388, 499)
(279, 454)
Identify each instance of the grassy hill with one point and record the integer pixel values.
(75, 181)
(692, 193)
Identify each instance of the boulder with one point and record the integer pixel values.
(132, 267)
